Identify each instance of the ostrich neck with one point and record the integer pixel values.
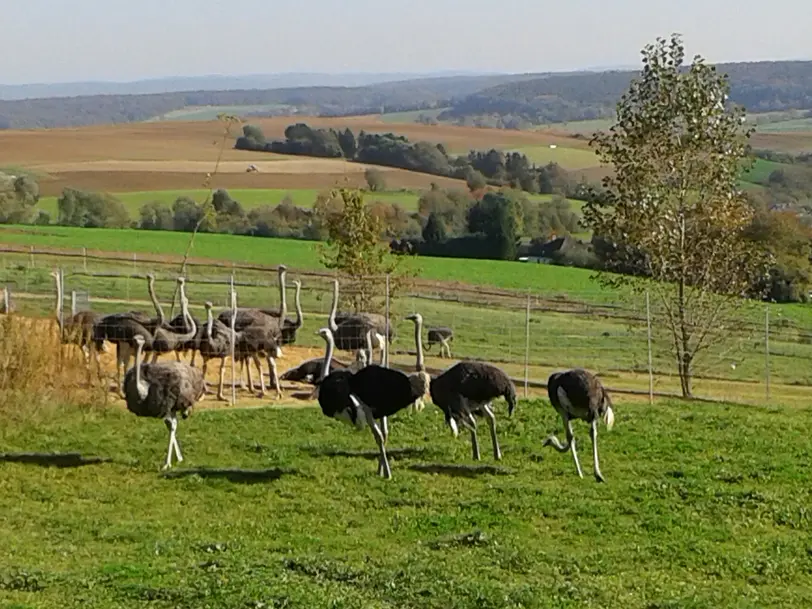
(331, 320)
(141, 386)
(184, 308)
(369, 343)
(158, 309)
(58, 301)
(298, 306)
(328, 356)
(283, 298)
(418, 331)
(209, 323)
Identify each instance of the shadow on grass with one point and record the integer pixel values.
(398, 453)
(53, 459)
(461, 471)
(235, 475)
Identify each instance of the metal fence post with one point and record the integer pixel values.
(650, 365)
(73, 303)
(61, 314)
(527, 348)
(233, 335)
(84, 259)
(767, 350)
(31, 257)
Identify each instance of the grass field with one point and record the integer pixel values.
(250, 198)
(411, 116)
(207, 113)
(281, 507)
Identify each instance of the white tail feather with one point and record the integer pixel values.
(609, 417)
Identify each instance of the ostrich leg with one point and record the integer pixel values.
(593, 434)
(384, 429)
(383, 463)
(497, 453)
(570, 445)
(172, 425)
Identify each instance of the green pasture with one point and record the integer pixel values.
(587, 127)
(249, 198)
(568, 158)
(281, 507)
(761, 170)
(299, 254)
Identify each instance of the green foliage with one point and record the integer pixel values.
(673, 211)
(375, 179)
(251, 139)
(475, 180)
(499, 217)
(91, 210)
(353, 249)
(156, 216)
(434, 231)
(19, 196)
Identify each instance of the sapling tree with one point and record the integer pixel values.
(672, 214)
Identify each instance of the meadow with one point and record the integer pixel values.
(280, 507)
(251, 198)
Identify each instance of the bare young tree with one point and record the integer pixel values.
(672, 218)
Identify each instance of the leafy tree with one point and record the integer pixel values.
(186, 214)
(375, 179)
(475, 180)
(434, 231)
(346, 140)
(18, 199)
(354, 249)
(499, 217)
(91, 210)
(673, 210)
(156, 216)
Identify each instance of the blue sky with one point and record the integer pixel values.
(56, 41)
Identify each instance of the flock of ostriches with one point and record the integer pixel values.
(362, 394)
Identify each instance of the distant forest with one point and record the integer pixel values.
(510, 101)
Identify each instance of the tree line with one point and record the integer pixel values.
(478, 168)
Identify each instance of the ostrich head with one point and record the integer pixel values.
(415, 317)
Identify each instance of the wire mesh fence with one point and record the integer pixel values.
(755, 354)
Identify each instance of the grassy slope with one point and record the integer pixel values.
(255, 197)
(699, 510)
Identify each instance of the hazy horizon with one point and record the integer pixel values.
(90, 41)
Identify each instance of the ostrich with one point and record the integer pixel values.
(162, 390)
(290, 328)
(246, 317)
(579, 394)
(121, 329)
(467, 389)
(257, 340)
(420, 378)
(351, 334)
(77, 329)
(166, 339)
(361, 398)
(440, 335)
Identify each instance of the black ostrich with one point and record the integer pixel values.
(364, 397)
(578, 394)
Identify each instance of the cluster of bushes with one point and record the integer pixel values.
(19, 196)
(478, 168)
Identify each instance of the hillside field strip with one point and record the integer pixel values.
(251, 198)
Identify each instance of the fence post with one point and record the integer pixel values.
(31, 257)
(527, 347)
(386, 334)
(650, 365)
(233, 334)
(767, 350)
(61, 315)
(84, 259)
(73, 303)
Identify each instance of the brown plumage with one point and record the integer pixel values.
(467, 389)
(579, 394)
(77, 329)
(162, 390)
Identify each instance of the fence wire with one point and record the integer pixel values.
(754, 354)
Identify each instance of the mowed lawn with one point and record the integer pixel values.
(281, 507)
